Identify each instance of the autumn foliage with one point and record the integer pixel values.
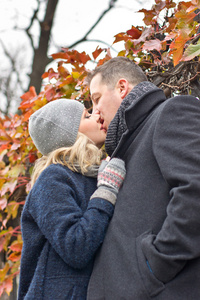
(167, 47)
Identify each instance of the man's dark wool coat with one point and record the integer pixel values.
(152, 246)
(61, 233)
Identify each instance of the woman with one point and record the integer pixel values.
(65, 217)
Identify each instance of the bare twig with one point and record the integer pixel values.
(84, 38)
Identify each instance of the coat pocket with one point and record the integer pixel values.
(152, 285)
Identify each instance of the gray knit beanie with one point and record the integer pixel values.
(55, 125)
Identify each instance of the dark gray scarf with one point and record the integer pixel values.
(118, 125)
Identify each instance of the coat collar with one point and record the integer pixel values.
(137, 112)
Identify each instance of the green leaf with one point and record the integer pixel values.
(192, 51)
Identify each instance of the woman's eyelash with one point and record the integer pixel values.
(88, 116)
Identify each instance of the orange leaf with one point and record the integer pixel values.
(97, 52)
(177, 47)
(148, 16)
(27, 115)
(84, 57)
(45, 75)
(3, 241)
(30, 94)
(16, 246)
(121, 37)
(62, 55)
(63, 71)
(15, 256)
(185, 16)
(68, 80)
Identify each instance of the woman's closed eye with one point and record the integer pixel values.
(87, 116)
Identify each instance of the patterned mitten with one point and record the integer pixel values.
(110, 178)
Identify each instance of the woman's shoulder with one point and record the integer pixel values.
(56, 170)
(60, 173)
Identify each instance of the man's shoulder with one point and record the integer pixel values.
(183, 103)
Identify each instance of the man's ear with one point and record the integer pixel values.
(123, 87)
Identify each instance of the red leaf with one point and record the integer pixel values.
(134, 32)
(31, 157)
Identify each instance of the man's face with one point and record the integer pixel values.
(106, 100)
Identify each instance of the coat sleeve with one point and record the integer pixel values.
(74, 235)
(177, 151)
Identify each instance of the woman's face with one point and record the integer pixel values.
(90, 126)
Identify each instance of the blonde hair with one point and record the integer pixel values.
(83, 153)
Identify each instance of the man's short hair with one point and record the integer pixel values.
(116, 68)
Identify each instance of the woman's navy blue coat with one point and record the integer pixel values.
(61, 233)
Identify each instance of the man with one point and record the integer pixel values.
(152, 246)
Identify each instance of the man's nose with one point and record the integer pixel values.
(96, 115)
(95, 110)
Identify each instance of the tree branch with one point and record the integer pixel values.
(84, 38)
(34, 17)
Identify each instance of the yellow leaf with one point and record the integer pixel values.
(75, 75)
(16, 170)
(4, 271)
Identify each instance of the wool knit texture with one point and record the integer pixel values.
(61, 231)
(118, 125)
(55, 125)
(112, 176)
